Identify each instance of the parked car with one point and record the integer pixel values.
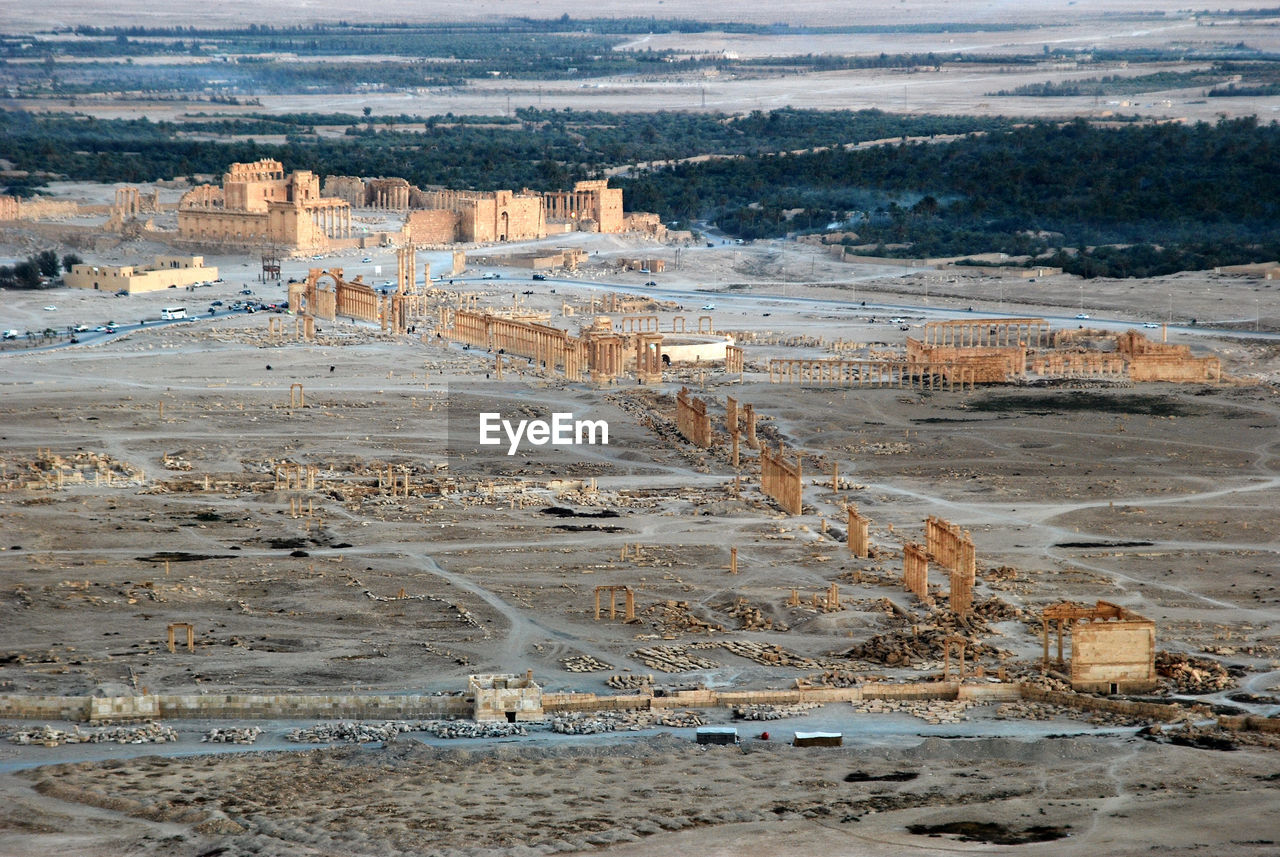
(651, 283)
(216, 303)
(246, 291)
(366, 260)
(122, 293)
(708, 307)
(538, 277)
(1150, 325)
(51, 309)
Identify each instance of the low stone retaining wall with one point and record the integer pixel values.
(1146, 710)
(1250, 723)
(233, 706)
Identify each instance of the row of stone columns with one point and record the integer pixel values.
(781, 480)
(869, 373)
(1029, 332)
(859, 533)
(333, 220)
(915, 571)
(692, 420)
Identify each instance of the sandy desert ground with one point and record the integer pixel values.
(1159, 497)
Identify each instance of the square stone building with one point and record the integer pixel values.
(505, 697)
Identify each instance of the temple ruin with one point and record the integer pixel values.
(258, 204)
(1112, 649)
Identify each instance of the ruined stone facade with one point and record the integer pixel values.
(258, 204)
(440, 216)
(592, 206)
(487, 216)
(382, 193)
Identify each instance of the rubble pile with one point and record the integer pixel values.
(1043, 711)
(932, 711)
(674, 617)
(1047, 682)
(362, 733)
(175, 461)
(232, 735)
(1193, 675)
(584, 664)
(672, 659)
(582, 724)
(1005, 578)
(834, 678)
(354, 733)
(468, 729)
(48, 736)
(903, 648)
(681, 719)
(753, 619)
(765, 653)
(773, 712)
(995, 609)
(582, 727)
(630, 682)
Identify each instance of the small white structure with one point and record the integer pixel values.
(716, 735)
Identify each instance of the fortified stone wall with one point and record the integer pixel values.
(433, 226)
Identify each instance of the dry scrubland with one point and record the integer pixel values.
(664, 796)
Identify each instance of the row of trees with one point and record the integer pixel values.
(1204, 194)
(540, 149)
(37, 270)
